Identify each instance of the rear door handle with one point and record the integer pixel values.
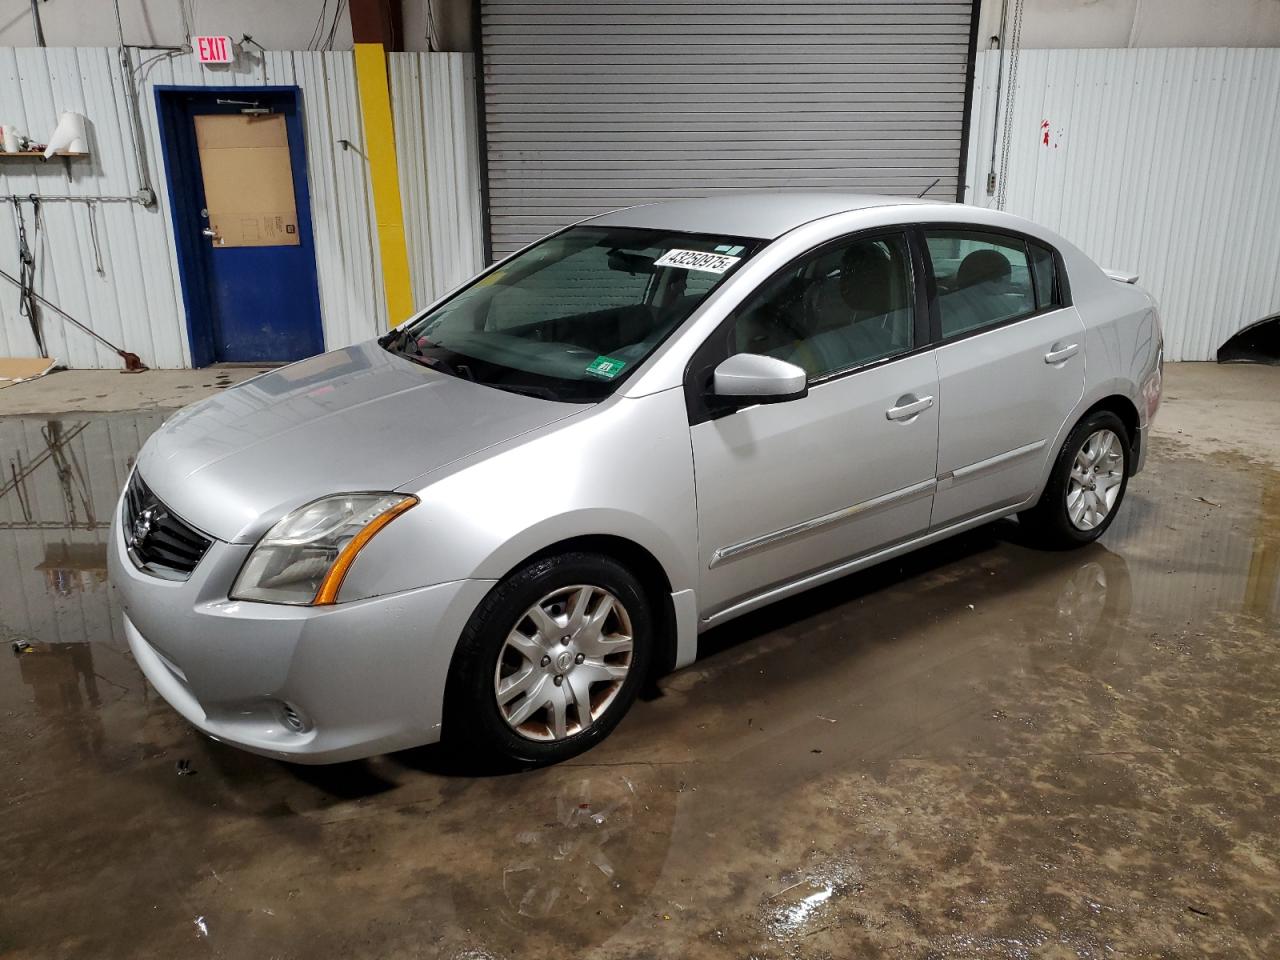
(908, 407)
(1059, 354)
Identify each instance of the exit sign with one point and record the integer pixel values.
(213, 49)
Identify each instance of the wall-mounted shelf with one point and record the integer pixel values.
(65, 156)
(35, 154)
(30, 154)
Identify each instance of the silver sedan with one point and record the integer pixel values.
(494, 523)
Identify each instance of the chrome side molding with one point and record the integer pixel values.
(924, 488)
(738, 550)
(963, 474)
(850, 566)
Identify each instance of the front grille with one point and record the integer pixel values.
(159, 541)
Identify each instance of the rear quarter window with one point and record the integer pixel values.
(1044, 275)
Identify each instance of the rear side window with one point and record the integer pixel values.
(1044, 274)
(983, 279)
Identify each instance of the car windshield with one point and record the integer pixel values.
(574, 315)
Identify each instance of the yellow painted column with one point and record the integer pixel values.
(380, 148)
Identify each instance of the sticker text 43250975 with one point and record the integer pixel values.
(696, 260)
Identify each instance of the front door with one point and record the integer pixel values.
(791, 488)
(1010, 368)
(237, 180)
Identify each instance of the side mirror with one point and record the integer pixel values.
(749, 378)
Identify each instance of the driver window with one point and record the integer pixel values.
(840, 307)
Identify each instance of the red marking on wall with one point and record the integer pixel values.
(1049, 136)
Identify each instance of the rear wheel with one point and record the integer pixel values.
(550, 661)
(1086, 485)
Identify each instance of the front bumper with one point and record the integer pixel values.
(305, 684)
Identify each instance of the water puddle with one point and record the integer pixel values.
(965, 751)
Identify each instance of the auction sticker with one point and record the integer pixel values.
(606, 367)
(696, 260)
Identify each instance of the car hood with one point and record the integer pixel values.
(351, 420)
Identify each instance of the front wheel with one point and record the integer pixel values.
(550, 661)
(1086, 485)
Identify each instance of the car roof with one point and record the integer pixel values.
(765, 215)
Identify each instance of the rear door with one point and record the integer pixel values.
(1010, 365)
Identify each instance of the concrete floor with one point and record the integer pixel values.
(979, 751)
(110, 391)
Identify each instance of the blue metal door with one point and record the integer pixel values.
(237, 182)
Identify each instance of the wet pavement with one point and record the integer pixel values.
(979, 751)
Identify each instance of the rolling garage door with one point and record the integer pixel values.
(596, 104)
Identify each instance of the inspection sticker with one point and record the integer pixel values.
(606, 367)
(696, 260)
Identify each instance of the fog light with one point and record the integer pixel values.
(293, 718)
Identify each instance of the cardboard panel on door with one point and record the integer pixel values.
(248, 181)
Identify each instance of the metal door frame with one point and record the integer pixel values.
(177, 146)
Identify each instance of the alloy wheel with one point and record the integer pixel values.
(564, 662)
(1096, 476)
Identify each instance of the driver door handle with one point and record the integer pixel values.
(908, 407)
(1058, 354)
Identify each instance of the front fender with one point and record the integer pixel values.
(597, 521)
(626, 471)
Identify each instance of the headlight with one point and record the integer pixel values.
(304, 557)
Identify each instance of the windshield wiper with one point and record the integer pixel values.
(542, 393)
(461, 370)
(464, 372)
(396, 340)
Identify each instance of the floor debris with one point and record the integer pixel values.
(17, 369)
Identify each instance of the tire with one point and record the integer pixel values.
(511, 652)
(1063, 519)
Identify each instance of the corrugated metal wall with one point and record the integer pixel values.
(135, 300)
(439, 168)
(1160, 161)
(595, 105)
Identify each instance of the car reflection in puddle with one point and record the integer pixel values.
(572, 858)
(565, 864)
